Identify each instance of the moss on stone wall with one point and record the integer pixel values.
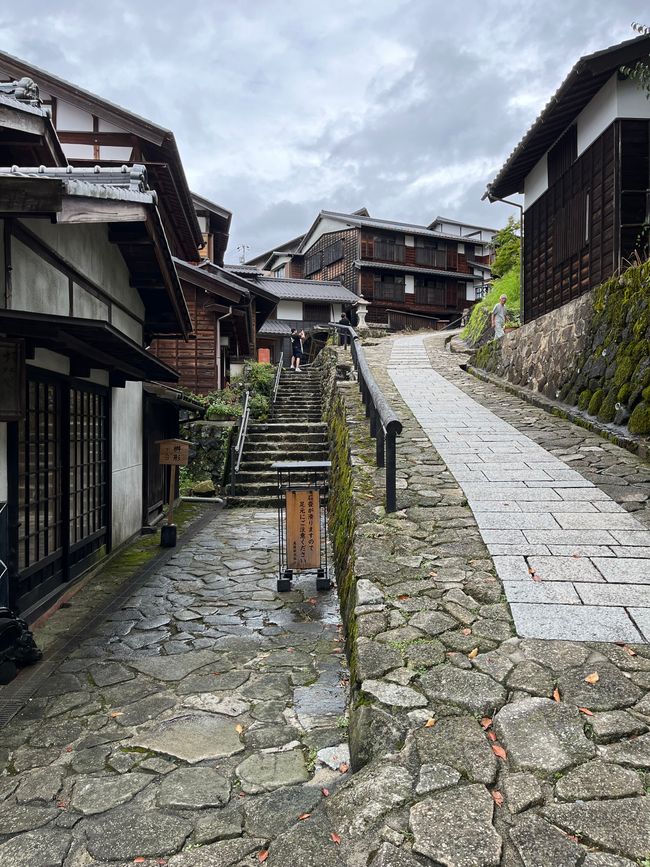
(209, 453)
(611, 377)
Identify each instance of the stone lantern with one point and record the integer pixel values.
(362, 311)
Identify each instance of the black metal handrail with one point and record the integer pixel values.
(278, 374)
(384, 423)
(237, 447)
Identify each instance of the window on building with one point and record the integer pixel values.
(281, 271)
(333, 253)
(430, 291)
(635, 188)
(316, 313)
(388, 249)
(569, 227)
(430, 253)
(313, 263)
(388, 287)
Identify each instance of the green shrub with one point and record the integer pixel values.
(219, 410)
(583, 400)
(639, 422)
(259, 378)
(259, 406)
(596, 400)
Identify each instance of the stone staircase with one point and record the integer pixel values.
(294, 432)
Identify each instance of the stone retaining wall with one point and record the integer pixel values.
(539, 353)
(210, 450)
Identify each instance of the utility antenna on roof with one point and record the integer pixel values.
(242, 252)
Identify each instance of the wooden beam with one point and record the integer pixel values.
(78, 209)
(31, 197)
(116, 380)
(109, 139)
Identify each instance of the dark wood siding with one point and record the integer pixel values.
(342, 268)
(196, 360)
(561, 259)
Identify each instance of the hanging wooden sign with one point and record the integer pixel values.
(174, 452)
(303, 529)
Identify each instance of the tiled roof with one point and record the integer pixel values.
(586, 78)
(282, 327)
(306, 290)
(11, 101)
(243, 269)
(390, 225)
(414, 269)
(125, 184)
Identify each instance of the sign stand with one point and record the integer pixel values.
(173, 453)
(302, 521)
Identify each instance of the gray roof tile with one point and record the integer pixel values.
(306, 290)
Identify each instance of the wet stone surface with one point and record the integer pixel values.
(180, 738)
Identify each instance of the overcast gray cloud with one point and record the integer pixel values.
(408, 107)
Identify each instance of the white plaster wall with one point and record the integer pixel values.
(336, 312)
(409, 240)
(597, 115)
(3, 462)
(88, 248)
(289, 310)
(36, 286)
(87, 306)
(78, 151)
(461, 248)
(632, 101)
(449, 229)
(69, 117)
(111, 152)
(327, 224)
(409, 284)
(536, 182)
(127, 325)
(470, 292)
(52, 361)
(126, 456)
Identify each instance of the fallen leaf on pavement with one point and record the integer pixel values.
(433, 574)
(486, 722)
(594, 677)
(497, 797)
(536, 577)
(334, 837)
(344, 767)
(491, 736)
(466, 631)
(311, 601)
(429, 723)
(138, 860)
(239, 728)
(325, 792)
(586, 711)
(62, 805)
(116, 713)
(304, 816)
(629, 650)
(473, 653)
(556, 695)
(403, 596)
(263, 855)
(499, 751)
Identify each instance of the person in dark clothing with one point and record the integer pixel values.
(297, 338)
(344, 337)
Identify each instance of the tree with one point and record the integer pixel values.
(640, 72)
(507, 249)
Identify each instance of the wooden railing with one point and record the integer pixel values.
(384, 423)
(278, 374)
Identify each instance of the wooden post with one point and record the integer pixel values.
(173, 453)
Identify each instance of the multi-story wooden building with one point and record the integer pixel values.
(404, 270)
(583, 168)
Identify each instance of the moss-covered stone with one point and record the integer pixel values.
(624, 393)
(639, 422)
(596, 400)
(584, 398)
(607, 409)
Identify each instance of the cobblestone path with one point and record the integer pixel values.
(574, 563)
(204, 718)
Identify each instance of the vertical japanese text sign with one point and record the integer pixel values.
(303, 529)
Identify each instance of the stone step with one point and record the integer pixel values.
(265, 456)
(278, 427)
(265, 466)
(286, 436)
(287, 416)
(252, 502)
(264, 489)
(255, 479)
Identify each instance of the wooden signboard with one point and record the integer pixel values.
(12, 379)
(176, 453)
(303, 529)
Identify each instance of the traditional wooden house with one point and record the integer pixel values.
(87, 281)
(93, 131)
(583, 168)
(305, 304)
(407, 272)
(285, 261)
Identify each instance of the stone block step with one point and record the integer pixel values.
(286, 436)
(261, 466)
(251, 502)
(265, 489)
(264, 456)
(277, 427)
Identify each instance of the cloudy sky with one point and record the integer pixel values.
(284, 107)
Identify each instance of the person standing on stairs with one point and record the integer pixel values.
(297, 338)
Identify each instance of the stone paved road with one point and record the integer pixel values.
(201, 721)
(574, 563)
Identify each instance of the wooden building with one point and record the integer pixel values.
(405, 271)
(584, 170)
(87, 280)
(298, 304)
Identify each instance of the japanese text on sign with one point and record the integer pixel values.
(303, 529)
(174, 452)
